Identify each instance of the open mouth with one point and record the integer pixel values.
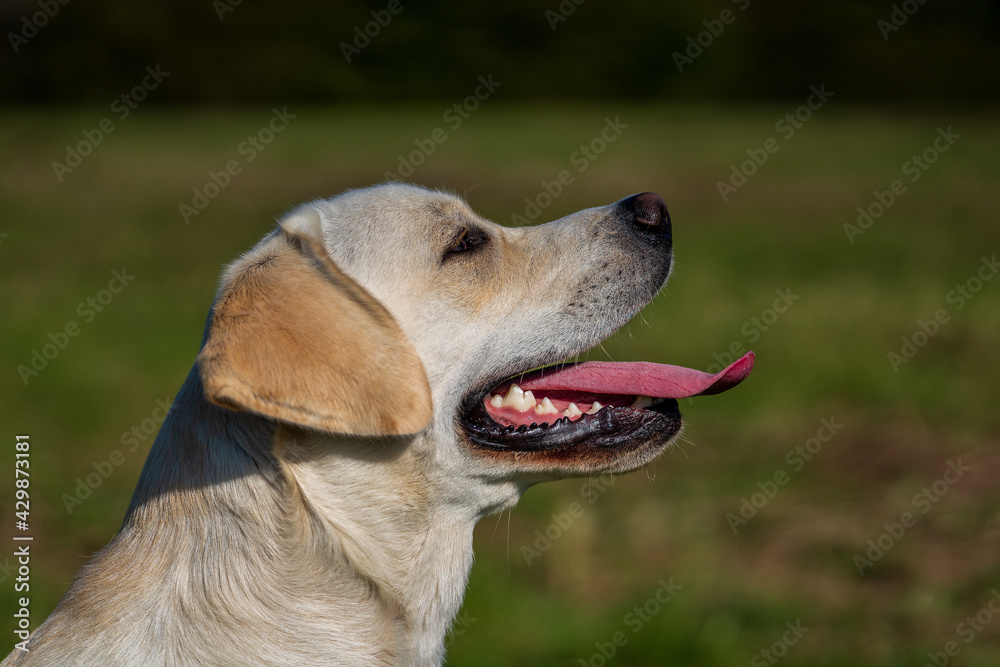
(595, 403)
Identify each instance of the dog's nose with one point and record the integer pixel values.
(649, 212)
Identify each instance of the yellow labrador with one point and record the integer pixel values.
(365, 394)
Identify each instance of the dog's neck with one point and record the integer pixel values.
(280, 504)
(376, 498)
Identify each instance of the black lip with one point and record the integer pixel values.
(611, 428)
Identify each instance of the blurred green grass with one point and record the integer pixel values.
(826, 356)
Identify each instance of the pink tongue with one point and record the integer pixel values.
(641, 378)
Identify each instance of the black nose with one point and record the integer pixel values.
(649, 213)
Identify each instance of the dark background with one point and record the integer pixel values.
(947, 53)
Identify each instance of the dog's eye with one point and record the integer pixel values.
(465, 241)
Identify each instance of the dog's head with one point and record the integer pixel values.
(395, 310)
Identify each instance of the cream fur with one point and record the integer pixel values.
(282, 519)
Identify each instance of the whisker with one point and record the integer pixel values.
(509, 512)
(448, 178)
(499, 516)
(687, 440)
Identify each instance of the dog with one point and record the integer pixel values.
(379, 373)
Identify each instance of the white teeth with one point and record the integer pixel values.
(546, 408)
(642, 402)
(514, 397)
(523, 401)
(529, 401)
(517, 399)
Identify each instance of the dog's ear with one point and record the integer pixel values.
(293, 338)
